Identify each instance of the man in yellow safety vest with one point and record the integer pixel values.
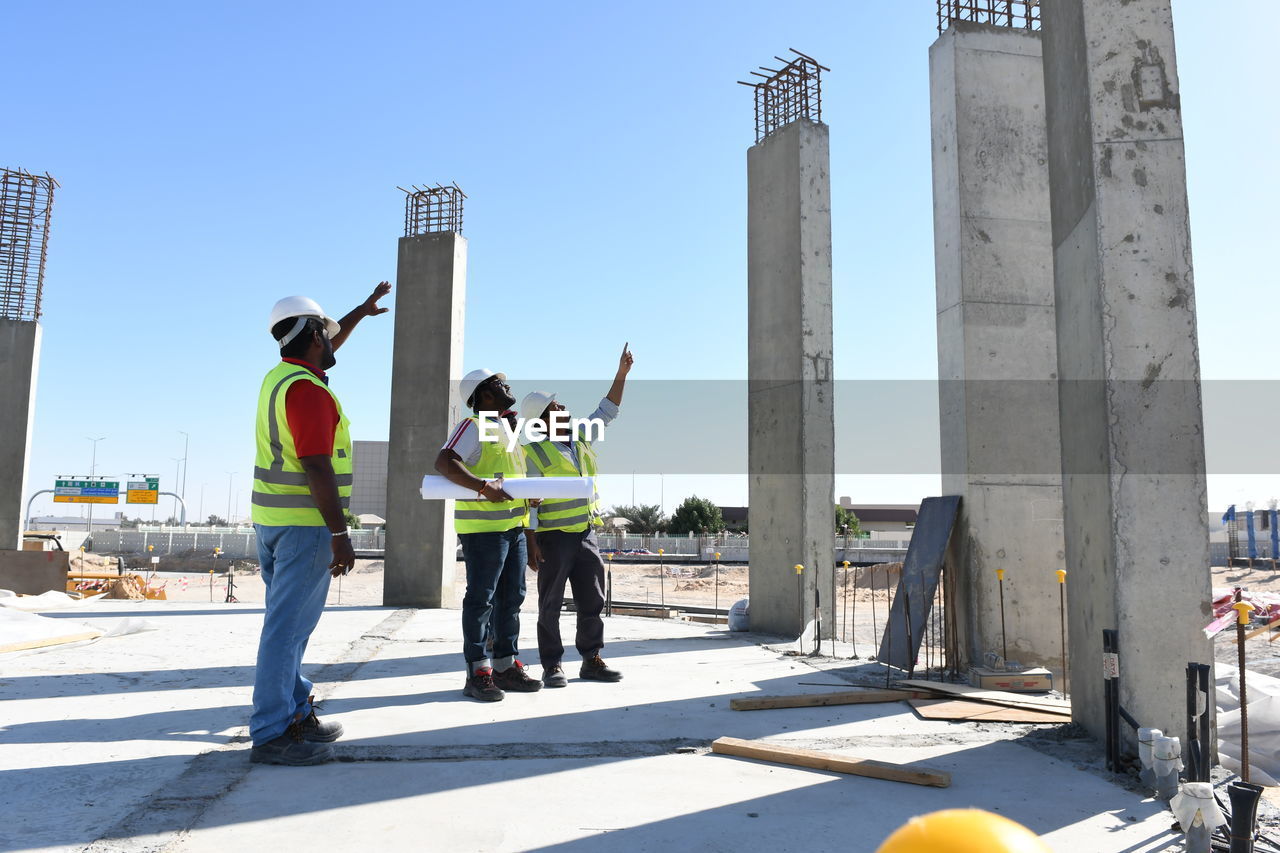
(491, 530)
(301, 489)
(564, 546)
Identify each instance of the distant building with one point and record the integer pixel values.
(883, 518)
(74, 522)
(735, 518)
(369, 478)
(879, 520)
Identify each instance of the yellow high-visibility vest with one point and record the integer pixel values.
(571, 515)
(281, 494)
(483, 515)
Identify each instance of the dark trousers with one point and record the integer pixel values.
(495, 590)
(572, 557)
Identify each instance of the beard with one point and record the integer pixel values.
(327, 358)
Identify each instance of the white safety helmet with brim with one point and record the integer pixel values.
(303, 308)
(467, 387)
(535, 403)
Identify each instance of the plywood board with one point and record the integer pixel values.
(995, 697)
(977, 712)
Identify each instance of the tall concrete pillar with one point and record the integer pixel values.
(791, 422)
(1132, 426)
(19, 363)
(431, 281)
(997, 342)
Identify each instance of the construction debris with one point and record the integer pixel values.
(994, 697)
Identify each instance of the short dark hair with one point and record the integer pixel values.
(297, 347)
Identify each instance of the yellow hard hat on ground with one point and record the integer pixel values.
(963, 831)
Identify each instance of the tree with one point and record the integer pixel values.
(644, 519)
(696, 515)
(353, 523)
(217, 521)
(846, 518)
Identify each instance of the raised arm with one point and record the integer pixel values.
(368, 308)
(620, 378)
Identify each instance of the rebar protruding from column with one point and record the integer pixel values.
(429, 210)
(26, 202)
(787, 94)
(1012, 14)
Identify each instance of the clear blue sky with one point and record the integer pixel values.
(214, 157)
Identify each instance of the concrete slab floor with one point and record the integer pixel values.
(138, 743)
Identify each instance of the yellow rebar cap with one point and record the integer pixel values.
(963, 831)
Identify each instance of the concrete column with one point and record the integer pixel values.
(19, 364)
(1132, 426)
(431, 283)
(997, 343)
(791, 422)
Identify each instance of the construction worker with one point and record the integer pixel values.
(563, 547)
(491, 530)
(301, 488)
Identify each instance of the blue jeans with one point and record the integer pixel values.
(495, 590)
(295, 569)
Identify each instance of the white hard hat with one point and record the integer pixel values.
(467, 387)
(301, 307)
(535, 403)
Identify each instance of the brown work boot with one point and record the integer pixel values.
(516, 680)
(595, 669)
(553, 676)
(480, 686)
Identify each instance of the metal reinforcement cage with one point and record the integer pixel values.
(26, 201)
(1012, 14)
(787, 94)
(432, 209)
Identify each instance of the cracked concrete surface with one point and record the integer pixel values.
(138, 743)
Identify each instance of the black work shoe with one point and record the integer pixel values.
(516, 679)
(553, 676)
(291, 749)
(315, 731)
(480, 686)
(595, 669)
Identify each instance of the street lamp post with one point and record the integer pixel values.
(93, 469)
(177, 466)
(186, 446)
(230, 477)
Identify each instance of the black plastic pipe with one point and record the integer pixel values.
(1244, 813)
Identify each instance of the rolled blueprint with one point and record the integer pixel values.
(435, 487)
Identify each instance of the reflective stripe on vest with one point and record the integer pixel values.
(281, 493)
(486, 516)
(570, 515)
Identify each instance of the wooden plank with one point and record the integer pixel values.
(652, 613)
(49, 641)
(978, 712)
(1255, 632)
(814, 760)
(994, 697)
(814, 700)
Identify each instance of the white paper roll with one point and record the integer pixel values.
(435, 487)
